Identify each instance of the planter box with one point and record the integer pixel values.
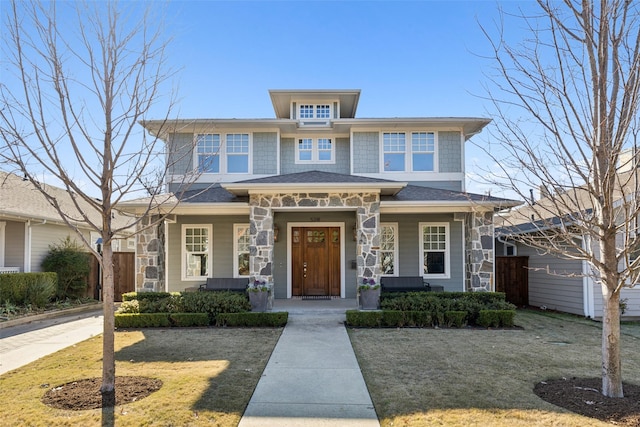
(369, 299)
(259, 300)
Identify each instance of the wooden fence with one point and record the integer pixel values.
(123, 276)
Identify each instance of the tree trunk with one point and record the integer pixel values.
(611, 361)
(108, 357)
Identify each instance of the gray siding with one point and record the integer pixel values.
(180, 147)
(222, 248)
(265, 153)
(409, 249)
(449, 152)
(288, 158)
(553, 291)
(632, 295)
(43, 236)
(14, 244)
(366, 152)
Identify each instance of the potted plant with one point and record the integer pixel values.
(369, 294)
(258, 295)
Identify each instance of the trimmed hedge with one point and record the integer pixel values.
(35, 289)
(253, 319)
(424, 319)
(147, 296)
(189, 319)
(496, 318)
(142, 320)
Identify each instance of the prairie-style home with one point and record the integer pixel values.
(316, 199)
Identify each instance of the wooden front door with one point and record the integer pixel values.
(315, 261)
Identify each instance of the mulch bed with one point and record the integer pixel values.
(85, 394)
(583, 396)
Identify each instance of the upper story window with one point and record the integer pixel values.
(228, 153)
(416, 156)
(315, 111)
(315, 150)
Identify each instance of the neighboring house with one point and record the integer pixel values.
(315, 199)
(557, 283)
(29, 225)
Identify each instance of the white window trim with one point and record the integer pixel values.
(222, 153)
(183, 252)
(236, 228)
(396, 251)
(447, 252)
(408, 151)
(315, 152)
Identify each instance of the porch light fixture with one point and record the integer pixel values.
(276, 231)
(355, 232)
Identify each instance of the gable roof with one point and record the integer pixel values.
(22, 201)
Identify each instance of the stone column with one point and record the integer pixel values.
(261, 232)
(149, 256)
(368, 232)
(479, 251)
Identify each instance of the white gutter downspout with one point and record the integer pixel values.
(587, 284)
(27, 244)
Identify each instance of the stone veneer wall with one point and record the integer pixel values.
(479, 251)
(367, 206)
(150, 255)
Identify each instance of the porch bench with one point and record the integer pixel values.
(407, 284)
(225, 284)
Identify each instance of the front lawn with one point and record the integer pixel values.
(208, 377)
(461, 377)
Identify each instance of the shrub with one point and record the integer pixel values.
(455, 318)
(142, 320)
(364, 319)
(496, 318)
(148, 296)
(214, 303)
(168, 303)
(36, 289)
(189, 319)
(129, 307)
(253, 319)
(72, 264)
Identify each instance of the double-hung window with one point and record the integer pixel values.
(422, 151)
(196, 252)
(218, 154)
(416, 155)
(389, 249)
(241, 243)
(315, 150)
(237, 153)
(394, 146)
(435, 250)
(208, 149)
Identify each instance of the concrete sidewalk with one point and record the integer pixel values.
(312, 378)
(23, 344)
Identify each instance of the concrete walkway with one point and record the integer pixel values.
(312, 378)
(25, 343)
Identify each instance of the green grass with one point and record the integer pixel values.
(461, 377)
(208, 377)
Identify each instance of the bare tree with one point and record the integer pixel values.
(83, 75)
(567, 112)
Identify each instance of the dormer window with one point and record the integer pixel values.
(311, 111)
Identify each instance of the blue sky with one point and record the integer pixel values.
(409, 58)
